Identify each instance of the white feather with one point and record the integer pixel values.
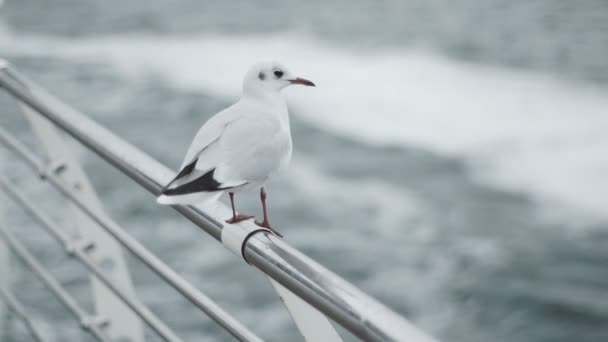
(189, 199)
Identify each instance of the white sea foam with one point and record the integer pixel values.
(526, 131)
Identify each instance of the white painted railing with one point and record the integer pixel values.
(312, 294)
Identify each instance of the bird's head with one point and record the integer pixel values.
(270, 76)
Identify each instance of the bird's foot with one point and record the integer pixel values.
(266, 224)
(238, 218)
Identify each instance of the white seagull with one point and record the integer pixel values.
(240, 147)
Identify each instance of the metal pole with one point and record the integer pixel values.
(87, 322)
(78, 251)
(357, 312)
(204, 303)
(16, 306)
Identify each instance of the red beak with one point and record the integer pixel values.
(302, 81)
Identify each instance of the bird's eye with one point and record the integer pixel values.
(261, 76)
(278, 73)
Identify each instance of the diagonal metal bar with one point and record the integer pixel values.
(15, 305)
(204, 303)
(86, 321)
(79, 253)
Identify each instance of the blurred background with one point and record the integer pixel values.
(451, 162)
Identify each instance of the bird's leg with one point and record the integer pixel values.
(236, 218)
(265, 223)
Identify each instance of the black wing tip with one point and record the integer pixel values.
(186, 170)
(204, 183)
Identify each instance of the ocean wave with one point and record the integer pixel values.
(520, 130)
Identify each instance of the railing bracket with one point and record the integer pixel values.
(79, 244)
(57, 166)
(235, 236)
(94, 321)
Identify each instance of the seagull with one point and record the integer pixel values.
(240, 147)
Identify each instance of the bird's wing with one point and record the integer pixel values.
(210, 132)
(245, 151)
(203, 148)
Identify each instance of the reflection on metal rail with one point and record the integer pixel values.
(357, 312)
(87, 322)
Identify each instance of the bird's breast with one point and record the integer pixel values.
(278, 145)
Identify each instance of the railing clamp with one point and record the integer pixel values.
(235, 236)
(57, 166)
(54, 166)
(94, 321)
(79, 245)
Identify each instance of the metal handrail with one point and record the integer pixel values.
(87, 322)
(362, 315)
(73, 248)
(15, 305)
(206, 304)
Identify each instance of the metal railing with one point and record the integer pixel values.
(334, 297)
(87, 321)
(78, 250)
(196, 297)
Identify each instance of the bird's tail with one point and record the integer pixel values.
(189, 199)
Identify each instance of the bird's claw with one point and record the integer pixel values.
(267, 225)
(238, 218)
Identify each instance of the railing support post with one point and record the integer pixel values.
(313, 325)
(123, 323)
